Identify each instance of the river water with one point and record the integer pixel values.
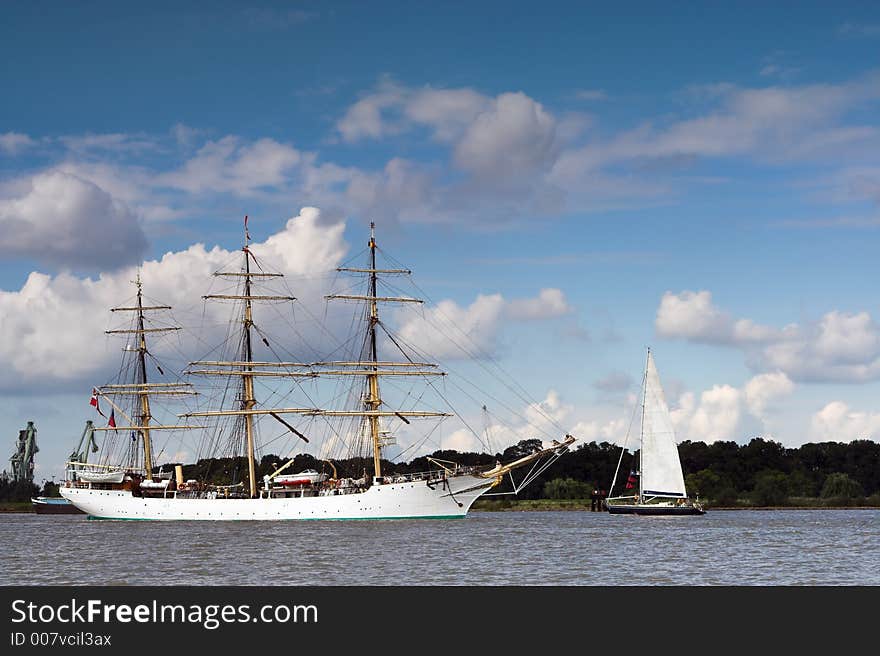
(565, 548)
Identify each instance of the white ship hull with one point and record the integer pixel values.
(412, 499)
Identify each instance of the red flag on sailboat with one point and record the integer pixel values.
(631, 480)
(112, 421)
(94, 401)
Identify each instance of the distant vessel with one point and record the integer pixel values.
(54, 506)
(128, 488)
(659, 481)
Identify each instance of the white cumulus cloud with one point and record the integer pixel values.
(837, 422)
(515, 137)
(14, 142)
(52, 329)
(549, 303)
(450, 331)
(64, 220)
(839, 346)
(763, 390)
(233, 165)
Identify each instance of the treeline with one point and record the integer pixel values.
(761, 472)
(18, 491)
(767, 473)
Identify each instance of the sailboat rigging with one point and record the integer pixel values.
(447, 491)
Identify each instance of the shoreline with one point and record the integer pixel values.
(573, 505)
(584, 506)
(707, 509)
(16, 507)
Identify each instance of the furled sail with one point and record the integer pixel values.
(660, 465)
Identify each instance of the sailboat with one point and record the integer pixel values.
(657, 486)
(446, 490)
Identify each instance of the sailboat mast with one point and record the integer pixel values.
(373, 401)
(142, 379)
(642, 429)
(248, 402)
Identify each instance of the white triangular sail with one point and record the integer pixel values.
(661, 473)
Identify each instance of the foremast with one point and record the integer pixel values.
(141, 423)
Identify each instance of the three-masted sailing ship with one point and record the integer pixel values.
(130, 488)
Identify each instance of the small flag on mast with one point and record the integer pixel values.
(631, 480)
(246, 234)
(94, 401)
(112, 421)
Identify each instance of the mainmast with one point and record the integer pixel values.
(247, 379)
(244, 366)
(142, 379)
(373, 401)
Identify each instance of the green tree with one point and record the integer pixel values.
(841, 486)
(771, 488)
(17, 491)
(726, 496)
(50, 489)
(521, 449)
(566, 488)
(801, 484)
(705, 483)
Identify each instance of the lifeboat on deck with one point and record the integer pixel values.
(306, 477)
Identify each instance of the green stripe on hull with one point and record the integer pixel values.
(297, 519)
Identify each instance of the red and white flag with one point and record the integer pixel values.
(631, 480)
(94, 401)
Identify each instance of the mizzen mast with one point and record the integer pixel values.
(371, 367)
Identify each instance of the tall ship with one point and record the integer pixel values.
(246, 389)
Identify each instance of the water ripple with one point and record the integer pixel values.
(780, 547)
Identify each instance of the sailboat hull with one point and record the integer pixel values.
(653, 509)
(447, 499)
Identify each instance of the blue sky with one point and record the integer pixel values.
(702, 179)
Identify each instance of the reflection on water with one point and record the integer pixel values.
(778, 547)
